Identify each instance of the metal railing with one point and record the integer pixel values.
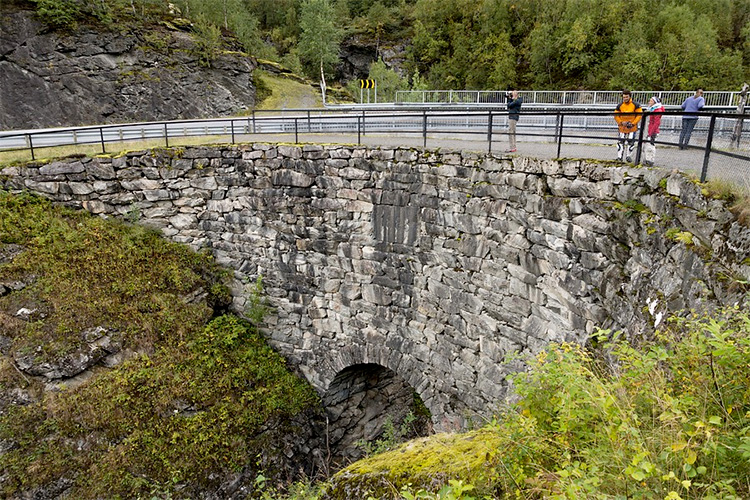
(719, 148)
(588, 98)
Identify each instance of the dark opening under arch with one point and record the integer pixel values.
(368, 403)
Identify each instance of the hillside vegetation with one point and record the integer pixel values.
(474, 44)
(177, 394)
(669, 419)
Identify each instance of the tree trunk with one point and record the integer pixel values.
(322, 82)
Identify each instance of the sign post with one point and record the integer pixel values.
(367, 84)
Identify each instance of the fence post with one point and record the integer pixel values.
(489, 132)
(363, 123)
(424, 129)
(101, 138)
(166, 134)
(231, 125)
(560, 118)
(253, 121)
(309, 125)
(709, 142)
(296, 132)
(31, 145)
(640, 139)
(359, 131)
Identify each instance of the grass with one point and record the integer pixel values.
(287, 93)
(736, 195)
(112, 149)
(185, 411)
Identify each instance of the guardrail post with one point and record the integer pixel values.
(231, 125)
(560, 118)
(363, 122)
(296, 132)
(253, 121)
(101, 138)
(309, 125)
(709, 142)
(424, 129)
(489, 132)
(31, 145)
(166, 135)
(359, 130)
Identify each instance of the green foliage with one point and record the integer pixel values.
(128, 294)
(319, 38)
(392, 435)
(61, 14)
(207, 42)
(388, 82)
(178, 414)
(192, 402)
(477, 44)
(580, 43)
(669, 419)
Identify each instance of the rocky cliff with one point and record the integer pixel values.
(127, 74)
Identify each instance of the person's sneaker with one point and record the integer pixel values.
(511, 150)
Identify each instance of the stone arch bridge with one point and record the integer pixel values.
(399, 269)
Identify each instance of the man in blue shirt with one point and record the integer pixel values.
(514, 111)
(691, 105)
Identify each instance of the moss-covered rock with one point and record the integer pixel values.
(426, 463)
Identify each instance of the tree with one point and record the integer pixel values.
(319, 38)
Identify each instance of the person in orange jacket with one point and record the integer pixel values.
(627, 116)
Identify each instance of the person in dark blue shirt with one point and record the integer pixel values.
(692, 104)
(514, 110)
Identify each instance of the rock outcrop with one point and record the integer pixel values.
(92, 76)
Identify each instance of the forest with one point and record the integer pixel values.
(471, 44)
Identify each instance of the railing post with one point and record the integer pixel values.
(296, 132)
(309, 125)
(364, 132)
(359, 130)
(31, 145)
(640, 140)
(709, 142)
(560, 118)
(489, 132)
(253, 121)
(166, 134)
(424, 129)
(101, 138)
(231, 125)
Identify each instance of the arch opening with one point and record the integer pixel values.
(370, 407)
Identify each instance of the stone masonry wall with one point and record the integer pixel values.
(434, 264)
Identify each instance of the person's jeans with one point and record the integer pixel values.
(512, 132)
(687, 130)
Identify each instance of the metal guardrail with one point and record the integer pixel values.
(722, 99)
(720, 145)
